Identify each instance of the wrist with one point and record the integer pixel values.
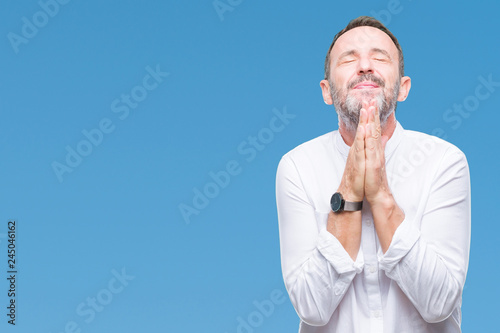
(350, 195)
(339, 204)
(386, 210)
(383, 200)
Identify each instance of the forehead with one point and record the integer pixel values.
(364, 39)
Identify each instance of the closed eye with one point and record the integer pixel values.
(347, 61)
(381, 55)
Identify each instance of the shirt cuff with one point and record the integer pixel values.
(330, 247)
(404, 238)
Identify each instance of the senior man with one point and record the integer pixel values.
(374, 219)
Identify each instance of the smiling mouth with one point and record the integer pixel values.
(366, 85)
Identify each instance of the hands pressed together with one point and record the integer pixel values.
(364, 174)
(365, 177)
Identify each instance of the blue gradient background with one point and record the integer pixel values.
(120, 206)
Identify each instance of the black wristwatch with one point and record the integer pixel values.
(339, 204)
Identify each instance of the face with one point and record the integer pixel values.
(364, 66)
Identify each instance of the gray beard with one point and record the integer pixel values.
(349, 106)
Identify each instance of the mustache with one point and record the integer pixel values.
(367, 77)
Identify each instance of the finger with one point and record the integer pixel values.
(377, 114)
(371, 110)
(372, 136)
(363, 115)
(373, 102)
(365, 105)
(368, 131)
(370, 139)
(360, 133)
(375, 131)
(371, 145)
(371, 114)
(374, 147)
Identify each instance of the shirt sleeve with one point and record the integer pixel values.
(316, 268)
(430, 263)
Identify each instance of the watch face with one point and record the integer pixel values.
(336, 202)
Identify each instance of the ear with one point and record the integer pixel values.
(325, 88)
(404, 88)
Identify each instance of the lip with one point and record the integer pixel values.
(366, 85)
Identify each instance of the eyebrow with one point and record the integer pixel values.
(373, 50)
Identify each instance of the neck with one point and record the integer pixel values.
(387, 130)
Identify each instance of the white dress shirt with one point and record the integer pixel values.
(416, 286)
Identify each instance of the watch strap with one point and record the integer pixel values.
(353, 206)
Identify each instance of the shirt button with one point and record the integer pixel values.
(372, 269)
(368, 223)
(377, 314)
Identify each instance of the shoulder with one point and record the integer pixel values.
(306, 157)
(313, 149)
(432, 146)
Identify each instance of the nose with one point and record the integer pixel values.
(365, 66)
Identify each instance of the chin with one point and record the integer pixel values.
(355, 101)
